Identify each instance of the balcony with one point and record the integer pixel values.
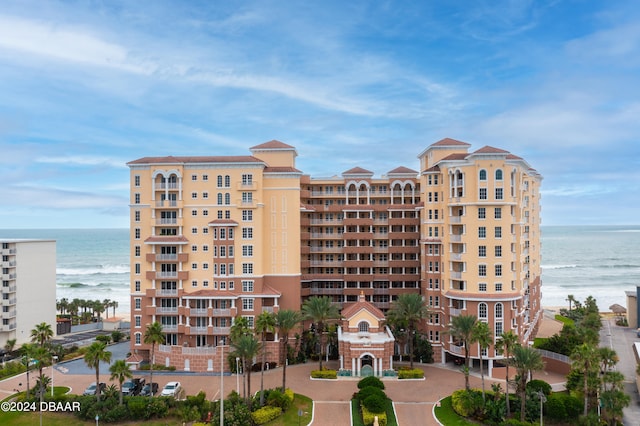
(169, 328)
(167, 257)
(166, 203)
(198, 312)
(454, 312)
(167, 310)
(8, 302)
(198, 330)
(165, 185)
(9, 289)
(167, 292)
(222, 312)
(221, 330)
(164, 275)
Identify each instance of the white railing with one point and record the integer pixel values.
(167, 310)
(221, 330)
(167, 292)
(222, 312)
(199, 351)
(198, 311)
(164, 348)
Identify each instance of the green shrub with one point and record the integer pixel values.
(370, 381)
(375, 403)
(278, 399)
(416, 373)
(368, 417)
(364, 393)
(104, 338)
(539, 385)
(554, 407)
(324, 374)
(290, 395)
(466, 403)
(265, 414)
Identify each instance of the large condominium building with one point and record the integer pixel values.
(217, 237)
(28, 287)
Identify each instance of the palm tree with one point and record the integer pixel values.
(114, 305)
(608, 358)
(286, 320)
(153, 336)
(107, 304)
(409, 309)
(265, 323)
(97, 353)
(239, 328)
(506, 343)
(42, 357)
(10, 345)
(570, 299)
(525, 360)
(585, 361)
(28, 350)
(461, 328)
(62, 305)
(41, 334)
(120, 371)
(483, 335)
(320, 310)
(247, 347)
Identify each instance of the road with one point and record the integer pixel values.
(621, 339)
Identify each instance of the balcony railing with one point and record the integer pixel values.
(169, 328)
(167, 310)
(167, 292)
(199, 330)
(198, 312)
(221, 312)
(221, 330)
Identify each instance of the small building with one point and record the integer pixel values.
(632, 307)
(365, 343)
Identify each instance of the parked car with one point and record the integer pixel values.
(91, 389)
(149, 389)
(171, 389)
(133, 387)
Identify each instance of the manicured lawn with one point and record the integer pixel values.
(59, 419)
(290, 417)
(447, 416)
(57, 391)
(564, 320)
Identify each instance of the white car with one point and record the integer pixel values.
(171, 389)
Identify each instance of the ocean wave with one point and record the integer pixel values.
(559, 266)
(95, 270)
(85, 285)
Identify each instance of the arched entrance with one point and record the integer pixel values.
(367, 367)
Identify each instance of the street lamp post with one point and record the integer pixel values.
(54, 358)
(543, 399)
(222, 383)
(238, 375)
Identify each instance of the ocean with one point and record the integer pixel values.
(598, 261)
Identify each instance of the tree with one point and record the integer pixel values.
(120, 371)
(41, 334)
(608, 358)
(506, 343)
(62, 305)
(246, 347)
(409, 309)
(153, 336)
(107, 304)
(239, 328)
(320, 310)
(10, 345)
(97, 353)
(27, 350)
(265, 323)
(525, 360)
(570, 299)
(461, 328)
(286, 321)
(482, 335)
(585, 361)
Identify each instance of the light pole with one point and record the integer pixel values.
(238, 375)
(54, 358)
(222, 383)
(543, 399)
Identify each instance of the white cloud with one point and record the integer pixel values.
(87, 160)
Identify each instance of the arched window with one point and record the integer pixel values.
(227, 198)
(482, 311)
(227, 181)
(219, 198)
(138, 338)
(363, 327)
(498, 310)
(483, 175)
(498, 174)
(219, 181)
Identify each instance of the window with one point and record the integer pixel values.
(205, 195)
(482, 251)
(230, 251)
(482, 311)
(223, 233)
(194, 195)
(499, 193)
(247, 286)
(482, 287)
(363, 327)
(227, 198)
(137, 284)
(482, 232)
(205, 247)
(247, 233)
(194, 283)
(136, 180)
(498, 174)
(249, 320)
(137, 251)
(219, 196)
(247, 304)
(247, 215)
(247, 179)
(137, 198)
(483, 193)
(227, 181)
(497, 213)
(498, 251)
(247, 197)
(138, 321)
(138, 338)
(482, 213)
(137, 233)
(137, 266)
(205, 177)
(498, 231)
(194, 177)
(247, 268)
(205, 266)
(220, 182)
(483, 175)
(498, 271)
(498, 287)
(230, 233)
(137, 303)
(482, 270)
(205, 283)
(194, 212)
(498, 310)
(137, 215)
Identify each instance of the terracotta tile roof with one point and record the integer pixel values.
(273, 144)
(435, 168)
(513, 157)
(357, 171)
(197, 159)
(490, 150)
(268, 290)
(211, 293)
(351, 310)
(173, 239)
(219, 222)
(402, 170)
(281, 170)
(135, 358)
(308, 207)
(458, 156)
(450, 142)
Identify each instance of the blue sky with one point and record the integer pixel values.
(86, 86)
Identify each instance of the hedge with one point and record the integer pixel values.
(289, 394)
(370, 381)
(368, 417)
(265, 414)
(324, 374)
(416, 373)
